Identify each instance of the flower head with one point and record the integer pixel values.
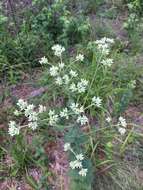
(54, 71)
(122, 122)
(104, 44)
(73, 87)
(108, 62)
(75, 164)
(42, 108)
(97, 101)
(80, 57)
(122, 130)
(83, 172)
(53, 118)
(61, 65)
(79, 157)
(58, 50)
(16, 113)
(59, 81)
(43, 60)
(33, 125)
(82, 86)
(64, 113)
(73, 73)
(66, 79)
(13, 129)
(82, 120)
(29, 109)
(76, 108)
(108, 119)
(22, 104)
(67, 147)
(33, 116)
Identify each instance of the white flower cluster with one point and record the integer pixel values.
(73, 73)
(43, 60)
(122, 125)
(64, 113)
(107, 62)
(80, 57)
(13, 129)
(62, 78)
(76, 164)
(82, 119)
(79, 110)
(108, 119)
(58, 50)
(53, 117)
(80, 87)
(104, 45)
(74, 109)
(97, 101)
(29, 112)
(54, 71)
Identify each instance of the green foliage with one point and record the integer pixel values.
(21, 156)
(48, 24)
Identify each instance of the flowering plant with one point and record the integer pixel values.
(83, 130)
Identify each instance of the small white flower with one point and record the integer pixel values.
(78, 164)
(107, 62)
(82, 85)
(58, 50)
(42, 108)
(64, 113)
(67, 147)
(122, 130)
(66, 79)
(83, 172)
(61, 65)
(76, 109)
(16, 113)
(80, 57)
(73, 73)
(53, 118)
(29, 110)
(82, 120)
(22, 104)
(54, 71)
(13, 129)
(104, 44)
(72, 164)
(75, 164)
(74, 106)
(80, 109)
(122, 122)
(51, 112)
(43, 60)
(108, 119)
(79, 157)
(33, 125)
(59, 81)
(73, 87)
(33, 116)
(97, 101)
